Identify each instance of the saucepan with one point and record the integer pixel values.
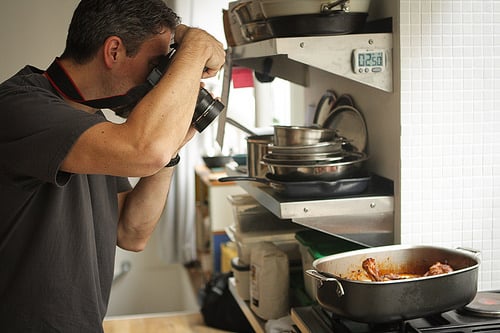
(341, 292)
(257, 147)
(309, 189)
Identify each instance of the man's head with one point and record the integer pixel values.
(133, 21)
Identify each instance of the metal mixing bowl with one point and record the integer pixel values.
(301, 135)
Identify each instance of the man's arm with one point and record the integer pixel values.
(141, 208)
(156, 128)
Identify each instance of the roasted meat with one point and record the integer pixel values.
(373, 273)
(438, 268)
(371, 269)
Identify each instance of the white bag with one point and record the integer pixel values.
(269, 281)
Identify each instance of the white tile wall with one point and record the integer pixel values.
(450, 123)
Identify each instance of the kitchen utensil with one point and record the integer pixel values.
(232, 27)
(395, 300)
(240, 159)
(257, 147)
(236, 124)
(216, 161)
(316, 148)
(328, 171)
(304, 158)
(256, 31)
(309, 189)
(246, 11)
(349, 123)
(227, 28)
(301, 135)
(274, 8)
(344, 99)
(324, 107)
(336, 23)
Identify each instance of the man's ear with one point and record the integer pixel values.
(112, 47)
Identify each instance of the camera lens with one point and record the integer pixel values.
(207, 109)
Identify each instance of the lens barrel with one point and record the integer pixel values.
(207, 109)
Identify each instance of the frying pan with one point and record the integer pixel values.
(308, 189)
(378, 302)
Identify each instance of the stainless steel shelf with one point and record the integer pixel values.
(367, 218)
(376, 200)
(292, 55)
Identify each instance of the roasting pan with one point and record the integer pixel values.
(395, 300)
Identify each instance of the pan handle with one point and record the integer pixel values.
(328, 7)
(244, 178)
(322, 279)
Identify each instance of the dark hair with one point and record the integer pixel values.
(133, 21)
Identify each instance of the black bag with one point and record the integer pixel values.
(219, 308)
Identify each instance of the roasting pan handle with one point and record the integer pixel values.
(324, 277)
(469, 249)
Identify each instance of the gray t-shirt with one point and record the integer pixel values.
(57, 230)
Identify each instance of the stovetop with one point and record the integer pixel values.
(314, 319)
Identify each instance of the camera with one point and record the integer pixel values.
(207, 108)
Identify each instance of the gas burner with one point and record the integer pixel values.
(485, 304)
(481, 315)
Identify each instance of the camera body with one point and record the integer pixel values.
(207, 108)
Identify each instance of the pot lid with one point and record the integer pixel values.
(325, 105)
(485, 304)
(350, 124)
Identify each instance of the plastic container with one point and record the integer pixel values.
(284, 240)
(251, 217)
(314, 245)
(241, 272)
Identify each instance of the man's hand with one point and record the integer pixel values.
(199, 41)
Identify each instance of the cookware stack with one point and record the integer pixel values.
(311, 153)
(324, 159)
(253, 20)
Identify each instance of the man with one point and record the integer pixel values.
(65, 199)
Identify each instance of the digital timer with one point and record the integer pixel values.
(368, 61)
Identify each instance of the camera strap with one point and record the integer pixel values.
(62, 82)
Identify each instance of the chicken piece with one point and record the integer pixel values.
(371, 269)
(438, 268)
(373, 273)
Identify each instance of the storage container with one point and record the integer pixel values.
(247, 241)
(251, 217)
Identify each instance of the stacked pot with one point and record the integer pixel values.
(253, 20)
(309, 153)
